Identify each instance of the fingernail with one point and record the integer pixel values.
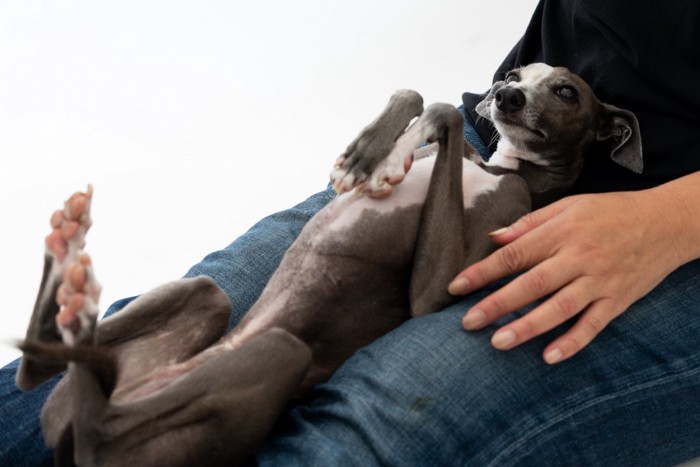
(458, 286)
(499, 231)
(553, 356)
(475, 319)
(503, 340)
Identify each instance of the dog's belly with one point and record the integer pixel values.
(344, 282)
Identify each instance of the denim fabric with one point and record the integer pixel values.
(242, 269)
(472, 136)
(429, 393)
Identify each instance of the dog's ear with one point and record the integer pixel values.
(622, 129)
(483, 108)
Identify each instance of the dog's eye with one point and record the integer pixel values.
(568, 94)
(512, 78)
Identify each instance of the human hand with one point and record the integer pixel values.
(597, 254)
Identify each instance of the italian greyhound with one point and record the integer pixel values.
(162, 383)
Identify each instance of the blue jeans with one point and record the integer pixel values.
(429, 393)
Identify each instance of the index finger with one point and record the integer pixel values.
(522, 250)
(509, 259)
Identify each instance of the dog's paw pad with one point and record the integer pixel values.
(77, 298)
(342, 178)
(69, 226)
(389, 173)
(361, 159)
(377, 184)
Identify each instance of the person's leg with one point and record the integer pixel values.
(21, 441)
(429, 393)
(242, 269)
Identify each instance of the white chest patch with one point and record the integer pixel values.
(349, 207)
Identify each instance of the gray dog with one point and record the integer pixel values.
(161, 383)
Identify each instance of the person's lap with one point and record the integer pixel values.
(431, 393)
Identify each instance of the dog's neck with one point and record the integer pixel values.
(548, 179)
(509, 156)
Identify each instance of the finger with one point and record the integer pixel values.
(529, 222)
(541, 280)
(509, 259)
(566, 303)
(513, 256)
(589, 325)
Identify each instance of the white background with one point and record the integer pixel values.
(193, 119)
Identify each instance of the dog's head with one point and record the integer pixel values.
(549, 115)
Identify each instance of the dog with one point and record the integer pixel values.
(162, 383)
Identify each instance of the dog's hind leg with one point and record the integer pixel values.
(93, 378)
(160, 329)
(216, 414)
(69, 226)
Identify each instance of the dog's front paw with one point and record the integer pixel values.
(364, 164)
(361, 159)
(379, 184)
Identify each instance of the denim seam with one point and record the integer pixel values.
(503, 453)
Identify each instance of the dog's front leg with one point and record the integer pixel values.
(463, 204)
(357, 166)
(441, 244)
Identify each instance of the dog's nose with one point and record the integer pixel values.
(509, 99)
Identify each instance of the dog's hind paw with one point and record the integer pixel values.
(67, 298)
(77, 297)
(78, 292)
(69, 226)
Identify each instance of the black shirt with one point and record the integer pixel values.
(640, 55)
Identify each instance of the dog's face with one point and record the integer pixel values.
(550, 113)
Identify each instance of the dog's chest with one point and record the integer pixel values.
(385, 230)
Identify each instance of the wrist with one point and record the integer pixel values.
(677, 211)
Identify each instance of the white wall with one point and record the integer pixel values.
(193, 119)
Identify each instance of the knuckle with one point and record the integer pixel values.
(530, 220)
(565, 306)
(537, 282)
(590, 250)
(495, 307)
(512, 257)
(572, 344)
(592, 325)
(526, 329)
(478, 275)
